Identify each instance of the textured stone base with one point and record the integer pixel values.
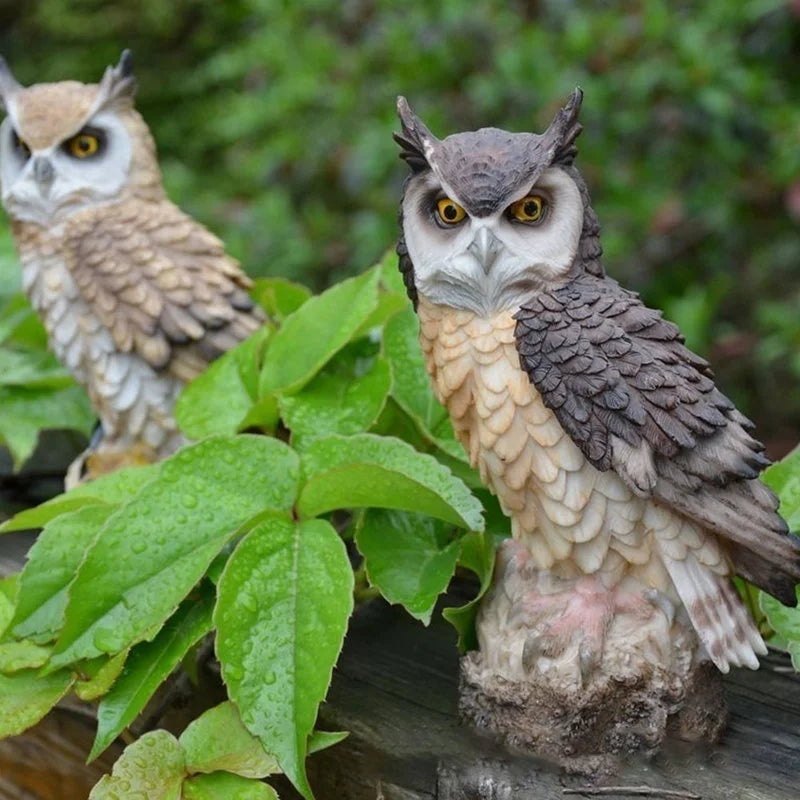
(587, 730)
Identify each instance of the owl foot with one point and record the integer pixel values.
(574, 623)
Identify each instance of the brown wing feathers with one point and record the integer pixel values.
(613, 369)
(161, 283)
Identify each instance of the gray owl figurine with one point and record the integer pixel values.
(631, 481)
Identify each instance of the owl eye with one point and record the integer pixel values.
(449, 212)
(21, 147)
(83, 145)
(530, 209)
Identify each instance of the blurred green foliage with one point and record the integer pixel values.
(273, 121)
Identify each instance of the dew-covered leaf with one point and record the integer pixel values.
(97, 676)
(114, 488)
(477, 553)
(284, 600)
(52, 563)
(148, 665)
(26, 696)
(409, 557)
(152, 767)
(225, 786)
(279, 297)
(219, 400)
(155, 548)
(15, 656)
(218, 740)
(25, 411)
(366, 471)
(314, 333)
(783, 478)
(341, 401)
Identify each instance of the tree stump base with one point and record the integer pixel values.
(587, 731)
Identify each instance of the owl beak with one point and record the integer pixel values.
(44, 173)
(485, 247)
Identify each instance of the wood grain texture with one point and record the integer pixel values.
(396, 690)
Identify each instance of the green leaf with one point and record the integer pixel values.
(26, 411)
(409, 557)
(98, 675)
(335, 402)
(279, 297)
(151, 767)
(391, 279)
(52, 563)
(477, 554)
(411, 384)
(314, 333)
(785, 622)
(224, 786)
(8, 599)
(114, 488)
(372, 471)
(148, 665)
(25, 697)
(156, 547)
(322, 740)
(784, 479)
(389, 304)
(32, 369)
(284, 600)
(15, 656)
(218, 740)
(219, 400)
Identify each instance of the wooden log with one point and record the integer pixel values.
(396, 690)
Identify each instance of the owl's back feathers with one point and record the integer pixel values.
(635, 399)
(161, 283)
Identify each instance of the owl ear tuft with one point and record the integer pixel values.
(118, 83)
(415, 140)
(9, 85)
(560, 137)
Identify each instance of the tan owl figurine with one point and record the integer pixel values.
(137, 298)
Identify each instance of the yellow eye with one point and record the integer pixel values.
(449, 211)
(529, 209)
(83, 145)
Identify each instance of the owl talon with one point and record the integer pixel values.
(661, 602)
(532, 650)
(588, 660)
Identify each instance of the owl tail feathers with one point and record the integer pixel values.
(723, 624)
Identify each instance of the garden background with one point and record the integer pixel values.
(274, 121)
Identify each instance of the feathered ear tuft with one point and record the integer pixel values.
(415, 140)
(564, 130)
(8, 83)
(118, 83)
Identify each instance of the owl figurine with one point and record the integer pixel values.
(630, 480)
(137, 298)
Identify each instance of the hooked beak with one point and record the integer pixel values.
(44, 173)
(485, 247)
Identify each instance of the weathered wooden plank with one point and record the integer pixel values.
(395, 689)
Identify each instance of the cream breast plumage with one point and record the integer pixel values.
(631, 481)
(137, 297)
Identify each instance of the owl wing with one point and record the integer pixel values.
(161, 283)
(634, 399)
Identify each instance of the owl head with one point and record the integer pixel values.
(65, 146)
(490, 217)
